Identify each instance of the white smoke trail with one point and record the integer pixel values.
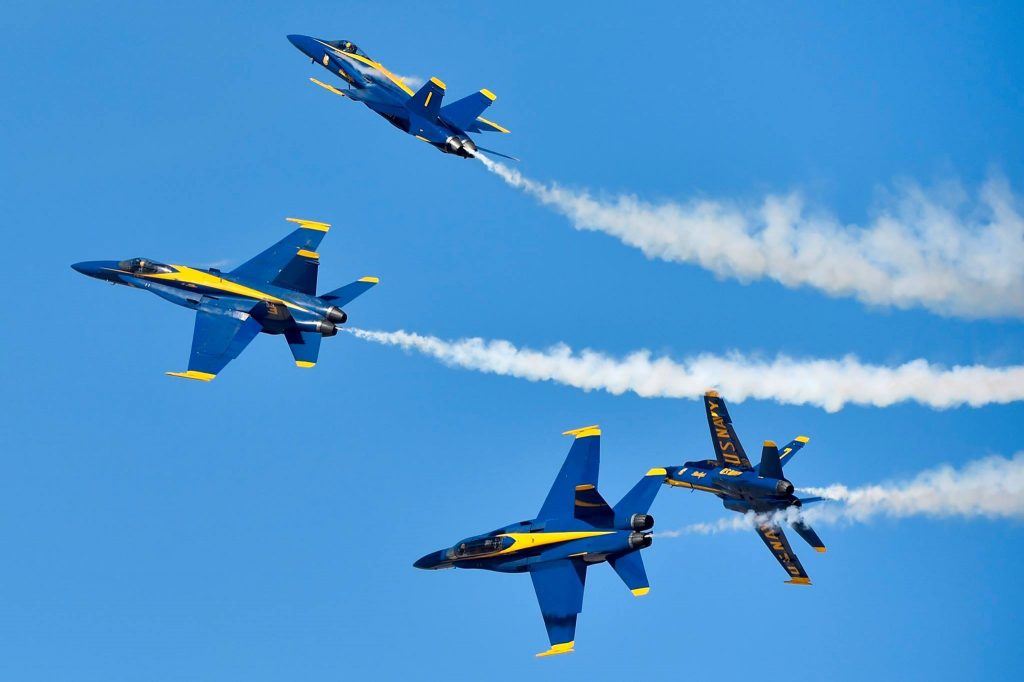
(414, 82)
(992, 487)
(829, 384)
(942, 250)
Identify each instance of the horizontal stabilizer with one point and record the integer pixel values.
(427, 100)
(305, 346)
(342, 296)
(462, 113)
(630, 568)
(491, 151)
(808, 534)
(792, 447)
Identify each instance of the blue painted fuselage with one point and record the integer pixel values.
(369, 82)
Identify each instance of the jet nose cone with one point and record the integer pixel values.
(92, 268)
(430, 561)
(100, 269)
(306, 45)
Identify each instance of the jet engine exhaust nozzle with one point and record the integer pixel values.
(640, 540)
(784, 487)
(641, 521)
(337, 315)
(326, 328)
(460, 146)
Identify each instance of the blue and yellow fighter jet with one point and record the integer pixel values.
(574, 529)
(417, 113)
(273, 293)
(744, 488)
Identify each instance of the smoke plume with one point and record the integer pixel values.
(943, 250)
(829, 384)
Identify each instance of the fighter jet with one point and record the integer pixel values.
(574, 529)
(273, 293)
(418, 113)
(744, 488)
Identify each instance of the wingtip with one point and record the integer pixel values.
(310, 224)
(488, 94)
(192, 374)
(584, 432)
(657, 471)
(799, 581)
(820, 550)
(370, 280)
(304, 363)
(640, 591)
(770, 444)
(803, 439)
(566, 648)
(711, 394)
(438, 82)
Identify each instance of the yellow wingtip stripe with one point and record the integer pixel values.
(192, 374)
(640, 591)
(799, 581)
(310, 224)
(304, 363)
(308, 254)
(488, 94)
(657, 471)
(584, 432)
(438, 82)
(566, 648)
(820, 550)
(803, 439)
(500, 129)
(370, 280)
(325, 86)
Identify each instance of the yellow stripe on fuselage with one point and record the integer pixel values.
(377, 65)
(525, 541)
(189, 275)
(684, 484)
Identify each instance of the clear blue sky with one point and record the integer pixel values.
(263, 527)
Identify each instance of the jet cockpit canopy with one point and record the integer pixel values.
(706, 464)
(347, 46)
(468, 549)
(144, 266)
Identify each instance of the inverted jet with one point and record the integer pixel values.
(575, 529)
(742, 487)
(417, 113)
(273, 293)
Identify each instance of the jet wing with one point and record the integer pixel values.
(727, 445)
(775, 540)
(291, 263)
(220, 335)
(559, 587)
(579, 470)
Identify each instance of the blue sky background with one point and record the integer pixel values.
(263, 527)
